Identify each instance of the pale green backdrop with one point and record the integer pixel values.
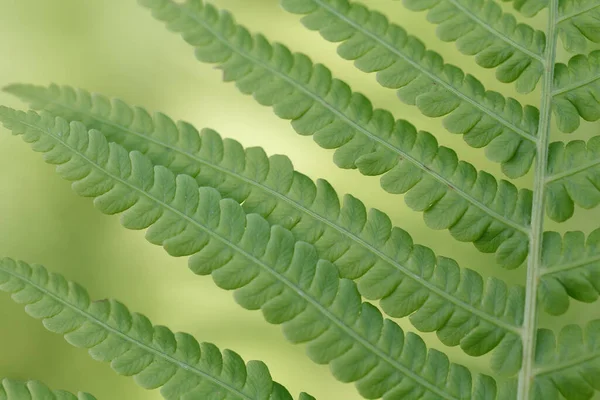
(116, 48)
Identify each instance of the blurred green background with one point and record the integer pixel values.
(114, 47)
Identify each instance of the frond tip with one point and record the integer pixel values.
(153, 355)
(265, 266)
(35, 390)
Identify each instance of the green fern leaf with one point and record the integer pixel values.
(579, 24)
(568, 367)
(481, 29)
(264, 265)
(570, 268)
(471, 204)
(576, 93)
(362, 245)
(153, 355)
(528, 8)
(573, 177)
(402, 62)
(578, 21)
(35, 390)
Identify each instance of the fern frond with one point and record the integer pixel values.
(153, 355)
(570, 268)
(484, 118)
(578, 21)
(363, 245)
(576, 91)
(471, 204)
(568, 367)
(265, 266)
(35, 390)
(480, 28)
(573, 177)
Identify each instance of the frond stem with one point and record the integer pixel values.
(534, 262)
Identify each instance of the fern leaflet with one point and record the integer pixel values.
(480, 28)
(485, 118)
(35, 390)
(577, 91)
(265, 266)
(153, 355)
(407, 278)
(471, 204)
(569, 366)
(579, 24)
(529, 8)
(578, 21)
(573, 177)
(570, 268)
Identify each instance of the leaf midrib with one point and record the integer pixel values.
(577, 85)
(367, 133)
(495, 32)
(348, 330)
(577, 13)
(569, 266)
(567, 364)
(445, 295)
(475, 104)
(572, 171)
(124, 336)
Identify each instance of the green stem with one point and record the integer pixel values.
(534, 262)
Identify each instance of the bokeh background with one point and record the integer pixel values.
(114, 47)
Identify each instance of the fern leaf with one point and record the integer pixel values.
(568, 367)
(153, 355)
(264, 265)
(571, 268)
(573, 177)
(35, 390)
(528, 8)
(577, 91)
(362, 245)
(485, 118)
(472, 205)
(481, 29)
(579, 24)
(578, 21)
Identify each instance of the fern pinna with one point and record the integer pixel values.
(312, 260)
